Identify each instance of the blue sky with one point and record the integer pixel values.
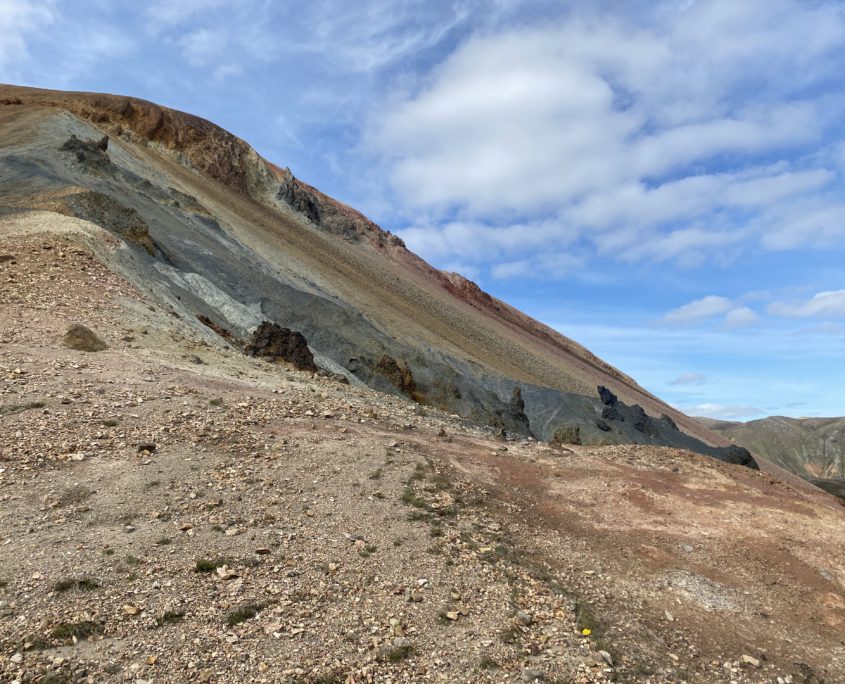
(661, 181)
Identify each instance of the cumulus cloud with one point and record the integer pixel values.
(19, 21)
(657, 137)
(699, 309)
(823, 304)
(741, 317)
(203, 46)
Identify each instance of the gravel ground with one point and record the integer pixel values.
(173, 511)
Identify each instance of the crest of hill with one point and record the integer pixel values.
(466, 350)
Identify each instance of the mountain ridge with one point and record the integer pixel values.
(467, 350)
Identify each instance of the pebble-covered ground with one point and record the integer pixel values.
(173, 511)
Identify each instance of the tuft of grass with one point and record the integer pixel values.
(376, 474)
(218, 401)
(368, 550)
(436, 531)
(170, 617)
(409, 497)
(209, 565)
(132, 561)
(487, 663)
(510, 635)
(152, 484)
(109, 422)
(74, 495)
(81, 583)
(335, 677)
(378, 495)
(79, 630)
(419, 472)
(397, 654)
(242, 613)
(164, 541)
(108, 552)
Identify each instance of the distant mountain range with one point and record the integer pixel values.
(813, 448)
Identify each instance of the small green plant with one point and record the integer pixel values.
(108, 551)
(510, 635)
(436, 531)
(152, 484)
(376, 474)
(209, 565)
(164, 541)
(170, 617)
(487, 663)
(397, 654)
(242, 613)
(110, 422)
(218, 401)
(378, 495)
(79, 630)
(81, 583)
(132, 561)
(368, 550)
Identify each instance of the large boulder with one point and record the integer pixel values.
(274, 343)
(80, 338)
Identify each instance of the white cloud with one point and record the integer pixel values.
(653, 138)
(689, 379)
(203, 46)
(699, 309)
(823, 304)
(20, 20)
(741, 317)
(172, 12)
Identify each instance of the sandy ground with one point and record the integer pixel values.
(287, 528)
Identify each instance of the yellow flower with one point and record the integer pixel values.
(586, 631)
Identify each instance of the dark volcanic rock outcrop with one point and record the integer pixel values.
(617, 417)
(90, 153)
(272, 342)
(298, 198)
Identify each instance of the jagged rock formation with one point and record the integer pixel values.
(272, 342)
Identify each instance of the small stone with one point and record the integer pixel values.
(263, 551)
(225, 572)
(606, 657)
(130, 609)
(452, 615)
(531, 675)
(686, 548)
(669, 616)
(524, 617)
(401, 642)
(17, 659)
(750, 660)
(146, 446)
(151, 660)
